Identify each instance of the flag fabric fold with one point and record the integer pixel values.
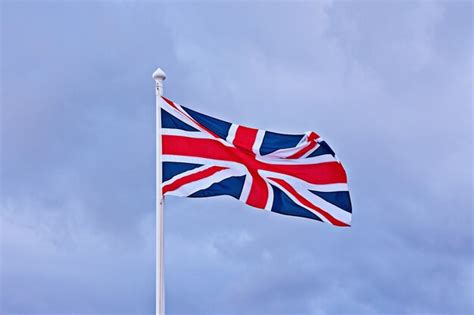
(296, 175)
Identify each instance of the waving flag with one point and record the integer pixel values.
(296, 175)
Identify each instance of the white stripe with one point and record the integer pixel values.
(258, 141)
(185, 133)
(282, 161)
(204, 183)
(187, 173)
(231, 136)
(244, 195)
(269, 204)
(282, 153)
(304, 156)
(328, 187)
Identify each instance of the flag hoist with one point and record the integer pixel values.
(159, 76)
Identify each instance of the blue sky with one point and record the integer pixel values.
(388, 85)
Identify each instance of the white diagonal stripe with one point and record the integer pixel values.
(231, 135)
(258, 142)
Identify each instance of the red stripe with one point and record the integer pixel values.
(258, 192)
(245, 137)
(191, 178)
(301, 152)
(307, 203)
(170, 103)
(313, 136)
(321, 173)
(312, 143)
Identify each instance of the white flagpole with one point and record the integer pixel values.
(159, 75)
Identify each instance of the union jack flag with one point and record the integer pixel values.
(296, 175)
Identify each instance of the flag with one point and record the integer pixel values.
(291, 174)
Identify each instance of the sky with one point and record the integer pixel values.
(387, 84)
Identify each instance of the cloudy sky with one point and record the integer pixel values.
(388, 85)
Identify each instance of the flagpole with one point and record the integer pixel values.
(159, 75)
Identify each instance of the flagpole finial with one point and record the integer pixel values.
(159, 76)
